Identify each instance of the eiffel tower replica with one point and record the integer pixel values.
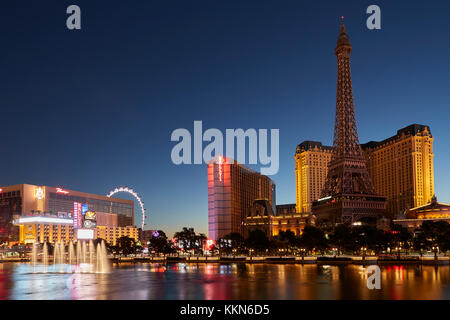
(348, 194)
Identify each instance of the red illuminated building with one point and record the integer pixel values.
(232, 188)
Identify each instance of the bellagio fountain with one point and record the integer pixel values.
(82, 257)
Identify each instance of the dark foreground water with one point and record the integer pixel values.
(227, 281)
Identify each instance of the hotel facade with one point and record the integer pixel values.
(52, 214)
(400, 167)
(232, 189)
(415, 217)
(311, 168)
(262, 217)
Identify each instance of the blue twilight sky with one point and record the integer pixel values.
(93, 109)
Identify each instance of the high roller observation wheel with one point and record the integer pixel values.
(135, 195)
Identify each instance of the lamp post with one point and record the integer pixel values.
(303, 251)
(398, 252)
(435, 250)
(363, 250)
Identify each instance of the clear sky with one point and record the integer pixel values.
(93, 109)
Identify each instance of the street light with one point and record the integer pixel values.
(303, 251)
(335, 251)
(363, 250)
(435, 250)
(398, 252)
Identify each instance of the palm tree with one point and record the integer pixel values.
(200, 241)
(236, 240)
(435, 234)
(126, 245)
(187, 238)
(313, 237)
(342, 237)
(160, 243)
(257, 240)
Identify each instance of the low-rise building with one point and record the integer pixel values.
(40, 228)
(53, 214)
(262, 217)
(434, 211)
(112, 234)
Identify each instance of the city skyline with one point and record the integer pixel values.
(86, 126)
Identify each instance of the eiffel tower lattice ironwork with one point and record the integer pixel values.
(348, 191)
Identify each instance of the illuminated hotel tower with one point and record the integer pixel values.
(401, 168)
(232, 189)
(311, 168)
(348, 194)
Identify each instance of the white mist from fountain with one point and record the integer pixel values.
(58, 257)
(34, 257)
(86, 258)
(106, 268)
(62, 256)
(45, 256)
(71, 253)
(55, 253)
(62, 253)
(91, 252)
(78, 255)
(102, 259)
(83, 252)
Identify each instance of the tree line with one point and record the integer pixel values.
(343, 239)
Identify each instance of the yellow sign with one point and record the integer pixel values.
(39, 194)
(90, 215)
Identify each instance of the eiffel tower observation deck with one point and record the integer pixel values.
(348, 195)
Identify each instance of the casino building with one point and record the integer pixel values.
(52, 214)
(311, 168)
(433, 211)
(232, 189)
(400, 167)
(262, 217)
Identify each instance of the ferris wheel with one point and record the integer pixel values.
(135, 195)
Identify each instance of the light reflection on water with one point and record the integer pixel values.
(224, 281)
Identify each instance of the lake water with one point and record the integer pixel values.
(225, 281)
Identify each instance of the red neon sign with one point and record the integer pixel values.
(76, 215)
(59, 190)
(209, 243)
(1, 190)
(220, 163)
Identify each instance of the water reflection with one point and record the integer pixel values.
(226, 281)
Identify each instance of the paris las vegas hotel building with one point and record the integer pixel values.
(401, 169)
(30, 213)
